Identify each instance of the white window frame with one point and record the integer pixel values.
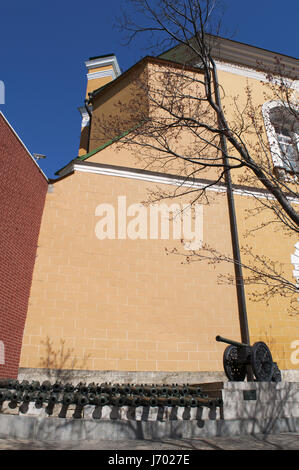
(272, 135)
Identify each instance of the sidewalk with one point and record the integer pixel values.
(284, 441)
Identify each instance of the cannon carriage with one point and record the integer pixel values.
(238, 357)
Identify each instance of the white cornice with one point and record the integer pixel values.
(161, 179)
(103, 62)
(101, 73)
(240, 70)
(295, 262)
(251, 73)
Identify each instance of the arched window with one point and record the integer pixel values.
(282, 126)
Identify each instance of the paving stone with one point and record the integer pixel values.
(283, 441)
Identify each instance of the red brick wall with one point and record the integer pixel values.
(22, 195)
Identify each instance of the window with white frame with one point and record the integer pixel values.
(282, 126)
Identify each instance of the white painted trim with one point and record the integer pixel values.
(100, 74)
(131, 174)
(271, 134)
(270, 130)
(240, 70)
(250, 73)
(103, 62)
(295, 262)
(22, 143)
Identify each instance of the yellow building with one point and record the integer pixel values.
(113, 294)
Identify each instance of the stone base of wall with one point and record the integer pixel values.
(122, 377)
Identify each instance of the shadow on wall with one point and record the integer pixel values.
(278, 351)
(262, 407)
(60, 363)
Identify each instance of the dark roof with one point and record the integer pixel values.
(235, 52)
(101, 56)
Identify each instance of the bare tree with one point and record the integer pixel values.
(185, 127)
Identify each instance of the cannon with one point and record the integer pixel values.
(46, 386)
(133, 401)
(238, 356)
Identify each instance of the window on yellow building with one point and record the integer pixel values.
(282, 126)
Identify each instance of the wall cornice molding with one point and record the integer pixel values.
(250, 73)
(103, 62)
(159, 178)
(101, 74)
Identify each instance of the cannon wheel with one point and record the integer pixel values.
(261, 362)
(233, 369)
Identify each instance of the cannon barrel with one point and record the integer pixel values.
(41, 398)
(80, 399)
(124, 389)
(194, 401)
(16, 396)
(68, 398)
(117, 401)
(101, 399)
(52, 398)
(171, 401)
(33, 386)
(193, 390)
(9, 383)
(23, 385)
(27, 397)
(107, 388)
(132, 401)
(183, 389)
(148, 401)
(150, 391)
(230, 341)
(57, 387)
(137, 390)
(46, 386)
(5, 383)
(5, 395)
(69, 388)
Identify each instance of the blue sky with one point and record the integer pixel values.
(44, 44)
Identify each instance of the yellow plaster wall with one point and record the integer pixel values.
(110, 117)
(114, 109)
(95, 83)
(123, 304)
(273, 323)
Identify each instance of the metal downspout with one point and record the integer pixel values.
(89, 127)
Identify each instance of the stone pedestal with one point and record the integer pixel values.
(260, 400)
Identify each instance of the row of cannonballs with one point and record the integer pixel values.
(186, 395)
